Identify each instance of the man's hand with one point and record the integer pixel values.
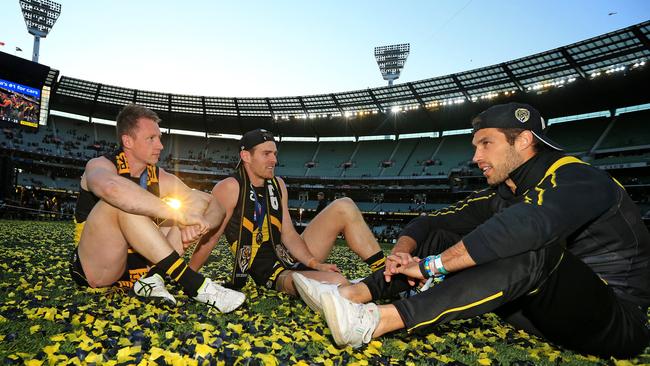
(395, 261)
(326, 267)
(185, 219)
(412, 271)
(190, 234)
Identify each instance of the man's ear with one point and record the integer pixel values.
(525, 140)
(127, 140)
(245, 156)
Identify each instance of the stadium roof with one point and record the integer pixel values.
(619, 51)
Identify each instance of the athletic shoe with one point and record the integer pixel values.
(153, 288)
(351, 324)
(223, 299)
(311, 290)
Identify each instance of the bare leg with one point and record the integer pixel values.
(358, 293)
(340, 216)
(106, 238)
(389, 320)
(173, 235)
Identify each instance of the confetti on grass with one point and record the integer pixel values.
(46, 320)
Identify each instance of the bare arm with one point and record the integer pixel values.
(456, 258)
(405, 244)
(194, 201)
(225, 193)
(101, 178)
(294, 242)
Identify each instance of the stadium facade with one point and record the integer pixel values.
(397, 150)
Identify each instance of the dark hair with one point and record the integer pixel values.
(127, 120)
(512, 133)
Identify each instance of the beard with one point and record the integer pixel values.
(501, 171)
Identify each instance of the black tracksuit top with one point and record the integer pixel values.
(558, 198)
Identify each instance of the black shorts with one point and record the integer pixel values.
(266, 267)
(136, 267)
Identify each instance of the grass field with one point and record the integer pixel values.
(45, 319)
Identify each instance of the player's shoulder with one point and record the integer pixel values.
(100, 162)
(227, 185)
(226, 192)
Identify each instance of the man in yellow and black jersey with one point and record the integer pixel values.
(119, 244)
(260, 231)
(555, 247)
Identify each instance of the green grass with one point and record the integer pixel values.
(45, 319)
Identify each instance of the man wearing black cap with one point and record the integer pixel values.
(261, 234)
(554, 246)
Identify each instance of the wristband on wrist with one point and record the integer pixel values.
(439, 268)
(430, 268)
(425, 267)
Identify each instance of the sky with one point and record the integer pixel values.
(272, 48)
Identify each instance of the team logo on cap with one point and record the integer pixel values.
(522, 115)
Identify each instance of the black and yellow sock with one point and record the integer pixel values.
(376, 261)
(175, 267)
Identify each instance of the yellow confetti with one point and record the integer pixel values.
(333, 350)
(623, 363)
(49, 350)
(203, 349)
(268, 360)
(124, 354)
(237, 328)
(58, 337)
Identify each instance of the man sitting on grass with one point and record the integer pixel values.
(260, 231)
(554, 246)
(119, 244)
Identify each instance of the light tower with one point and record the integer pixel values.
(40, 16)
(391, 60)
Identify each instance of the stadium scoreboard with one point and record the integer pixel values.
(21, 84)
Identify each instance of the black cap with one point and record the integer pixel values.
(255, 137)
(514, 115)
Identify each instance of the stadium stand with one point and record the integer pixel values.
(400, 155)
(331, 159)
(368, 157)
(391, 174)
(578, 136)
(454, 152)
(629, 131)
(421, 155)
(293, 157)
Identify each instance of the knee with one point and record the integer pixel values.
(339, 279)
(94, 283)
(345, 206)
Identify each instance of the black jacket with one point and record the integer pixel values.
(558, 198)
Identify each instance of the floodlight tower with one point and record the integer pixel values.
(391, 60)
(40, 16)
